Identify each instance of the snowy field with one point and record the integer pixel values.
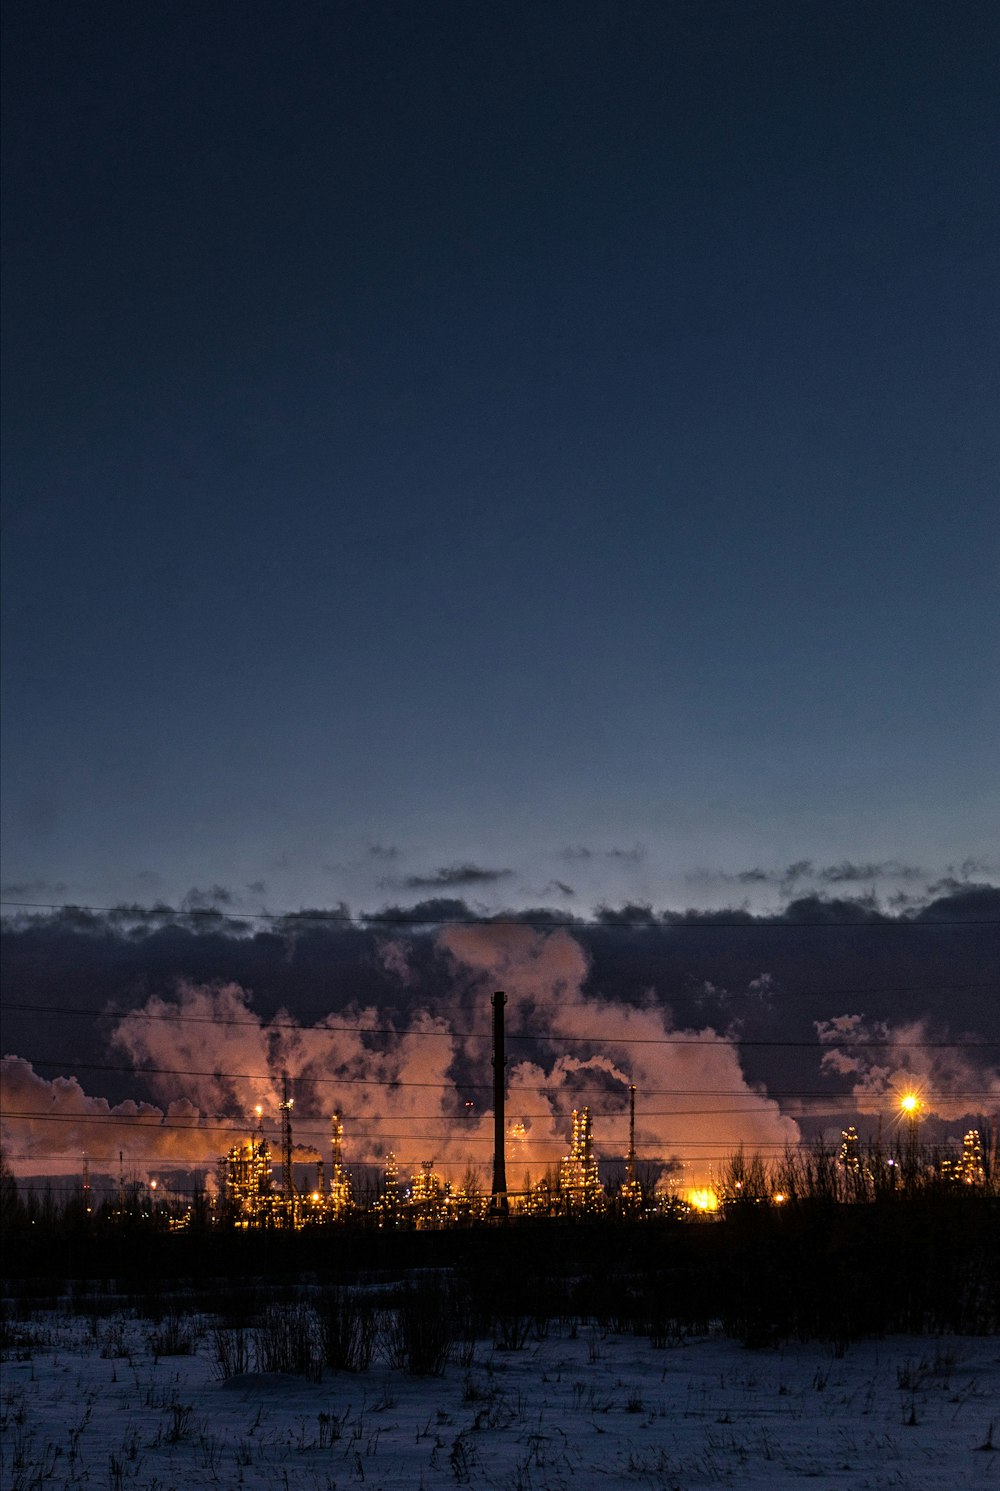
(99, 1403)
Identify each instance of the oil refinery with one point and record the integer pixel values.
(251, 1196)
(259, 1190)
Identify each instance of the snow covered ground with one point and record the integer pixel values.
(89, 1403)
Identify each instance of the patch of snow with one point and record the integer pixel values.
(93, 1406)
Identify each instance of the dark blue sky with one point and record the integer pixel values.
(547, 439)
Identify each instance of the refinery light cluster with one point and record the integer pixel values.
(252, 1196)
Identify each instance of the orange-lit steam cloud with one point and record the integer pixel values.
(393, 1086)
(611, 1044)
(48, 1125)
(420, 1084)
(951, 1082)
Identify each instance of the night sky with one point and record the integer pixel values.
(501, 457)
(555, 442)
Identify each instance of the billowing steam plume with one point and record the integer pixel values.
(420, 1083)
(51, 1124)
(949, 1080)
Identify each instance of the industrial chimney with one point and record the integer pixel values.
(498, 1196)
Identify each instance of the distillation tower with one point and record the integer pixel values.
(579, 1181)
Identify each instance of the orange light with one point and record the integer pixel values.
(909, 1102)
(703, 1199)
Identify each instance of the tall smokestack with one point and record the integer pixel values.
(498, 1197)
(630, 1161)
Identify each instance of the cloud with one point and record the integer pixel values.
(394, 956)
(208, 1033)
(388, 967)
(560, 887)
(27, 890)
(293, 922)
(832, 910)
(392, 1076)
(422, 913)
(844, 872)
(585, 1046)
(952, 1081)
(965, 902)
(383, 851)
(801, 869)
(449, 877)
(257, 887)
(580, 852)
(45, 1120)
(970, 867)
(887, 869)
(403, 1077)
(630, 913)
(207, 900)
(762, 988)
(902, 900)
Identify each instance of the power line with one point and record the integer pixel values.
(374, 920)
(838, 1103)
(109, 1182)
(362, 1124)
(830, 1106)
(672, 1041)
(175, 1015)
(455, 1085)
(162, 1162)
(368, 1128)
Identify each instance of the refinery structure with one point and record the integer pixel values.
(249, 1197)
(259, 1189)
(250, 1194)
(266, 1181)
(253, 1200)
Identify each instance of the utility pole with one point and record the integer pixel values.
(498, 1197)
